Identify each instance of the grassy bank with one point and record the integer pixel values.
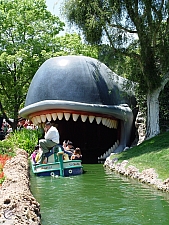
(152, 153)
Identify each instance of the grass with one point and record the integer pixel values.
(152, 153)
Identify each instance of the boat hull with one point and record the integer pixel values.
(70, 168)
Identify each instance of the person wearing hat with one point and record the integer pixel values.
(51, 139)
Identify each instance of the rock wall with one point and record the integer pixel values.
(17, 204)
(148, 176)
(140, 125)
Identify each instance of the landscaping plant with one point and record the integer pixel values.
(24, 139)
(3, 159)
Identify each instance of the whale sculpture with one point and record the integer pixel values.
(86, 101)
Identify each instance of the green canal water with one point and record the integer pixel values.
(99, 197)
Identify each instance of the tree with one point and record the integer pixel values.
(26, 29)
(29, 36)
(71, 44)
(135, 30)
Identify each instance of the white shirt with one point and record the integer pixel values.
(52, 134)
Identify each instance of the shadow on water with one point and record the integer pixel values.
(99, 197)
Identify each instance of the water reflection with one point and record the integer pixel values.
(99, 197)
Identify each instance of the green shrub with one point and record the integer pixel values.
(25, 139)
(6, 148)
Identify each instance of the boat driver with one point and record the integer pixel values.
(51, 139)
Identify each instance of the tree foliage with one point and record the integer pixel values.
(26, 29)
(137, 29)
(29, 36)
(133, 32)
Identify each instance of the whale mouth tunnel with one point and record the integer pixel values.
(86, 101)
(94, 134)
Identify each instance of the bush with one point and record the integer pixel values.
(6, 148)
(25, 139)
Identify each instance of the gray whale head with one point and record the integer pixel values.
(87, 102)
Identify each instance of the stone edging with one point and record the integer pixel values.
(17, 204)
(147, 176)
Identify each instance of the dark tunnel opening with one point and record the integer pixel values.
(93, 139)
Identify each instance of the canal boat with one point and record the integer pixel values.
(56, 164)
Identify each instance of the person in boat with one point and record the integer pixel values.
(34, 154)
(64, 144)
(69, 146)
(69, 149)
(76, 154)
(51, 139)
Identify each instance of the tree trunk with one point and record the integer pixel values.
(152, 123)
(153, 127)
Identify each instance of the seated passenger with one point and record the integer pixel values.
(69, 148)
(34, 154)
(76, 154)
(64, 144)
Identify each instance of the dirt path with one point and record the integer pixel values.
(17, 204)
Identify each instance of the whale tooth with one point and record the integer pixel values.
(38, 119)
(111, 124)
(91, 118)
(60, 116)
(104, 156)
(54, 116)
(43, 118)
(75, 117)
(34, 120)
(67, 116)
(48, 116)
(98, 119)
(83, 118)
(107, 154)
(108, 123)
(116, 145)
(115, 124)
(109, 151)
(104, 121)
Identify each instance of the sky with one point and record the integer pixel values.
(54, 7)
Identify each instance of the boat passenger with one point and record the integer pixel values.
(51, 139)
(76, 154)
(69, 148)
(64, 144)
(34, 154)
